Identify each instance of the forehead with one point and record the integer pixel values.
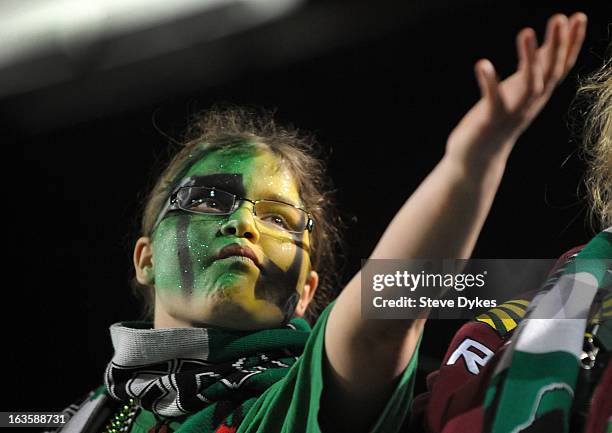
(263, 175)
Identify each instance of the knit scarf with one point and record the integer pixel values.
(219, 373)
(532, 387)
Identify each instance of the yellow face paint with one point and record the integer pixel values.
(195, 284)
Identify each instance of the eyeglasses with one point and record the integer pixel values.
(274, 214)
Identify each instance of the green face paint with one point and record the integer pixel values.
(197, 286)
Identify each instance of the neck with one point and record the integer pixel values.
(164, 320)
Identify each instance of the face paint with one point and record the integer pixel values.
(278, 285)
(195, 285)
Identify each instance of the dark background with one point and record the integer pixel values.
(381, 84)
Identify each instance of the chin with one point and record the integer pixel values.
(233, 314)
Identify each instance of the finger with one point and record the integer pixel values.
(487, 81)
(554, 50)
(577, 31)
(530, 70)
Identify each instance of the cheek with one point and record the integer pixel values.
(305, 264)
(281, 251)
(287, 260)
(180, 246)
(199, 238)
(285, 249)
(165, 255)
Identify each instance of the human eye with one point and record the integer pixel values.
(206, 205)
(276, 220)
(206, 200)
(278, 215)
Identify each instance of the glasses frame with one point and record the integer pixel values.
(174, 204)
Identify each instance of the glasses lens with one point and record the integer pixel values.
(281, 216)
(205, 200)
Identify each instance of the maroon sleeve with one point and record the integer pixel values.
(453, 401)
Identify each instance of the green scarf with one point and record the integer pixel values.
(217, 373)
(532, 387)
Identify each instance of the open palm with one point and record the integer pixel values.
(505, 109)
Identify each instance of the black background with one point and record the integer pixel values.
(76, 168)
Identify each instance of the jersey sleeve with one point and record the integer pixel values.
(291, 405)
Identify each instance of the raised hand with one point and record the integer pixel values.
(489, 130)
(442, 219)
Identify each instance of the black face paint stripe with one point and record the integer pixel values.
(195, 157)
(302, 221)
(278, 286)
(184, 254)
(289, 307)
(229, 182)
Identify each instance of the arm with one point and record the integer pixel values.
(442, 218)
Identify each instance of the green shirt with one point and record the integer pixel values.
(291, 405)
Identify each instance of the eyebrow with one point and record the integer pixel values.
(283, 199)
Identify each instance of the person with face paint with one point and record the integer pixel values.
(216, 264)
(235, 254)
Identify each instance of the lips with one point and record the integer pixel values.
(238, 250)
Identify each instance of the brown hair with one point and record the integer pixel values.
(235, 128)
(595, 94)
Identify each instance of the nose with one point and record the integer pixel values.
(241, 223)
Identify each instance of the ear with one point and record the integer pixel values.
(310, 288)
(143, 261)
